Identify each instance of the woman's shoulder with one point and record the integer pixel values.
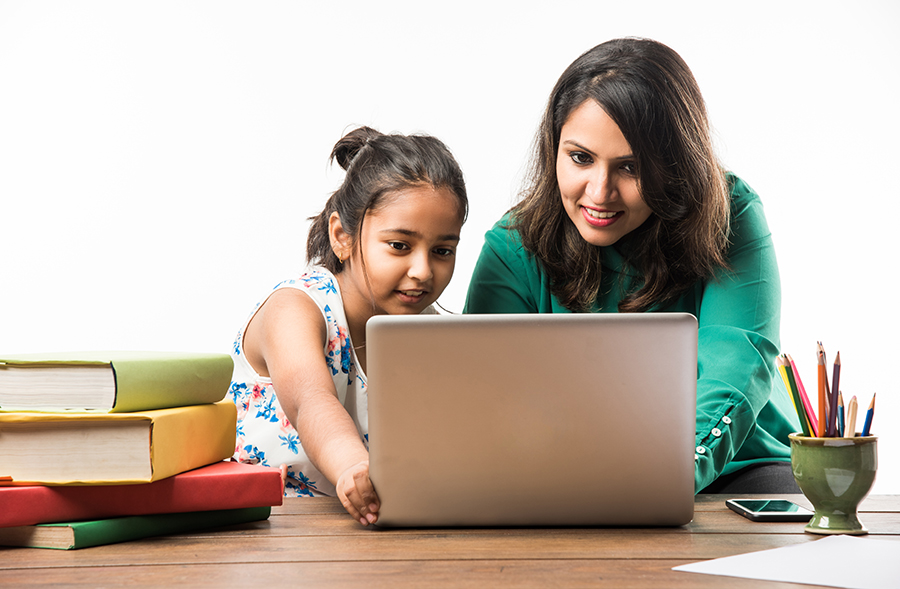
(742, 194)
(503, 244)
(748, 219)
(504, 233)
(506, 246)
(505, 223)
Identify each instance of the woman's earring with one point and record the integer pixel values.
(340, 259)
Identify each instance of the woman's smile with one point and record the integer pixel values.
(600, 218)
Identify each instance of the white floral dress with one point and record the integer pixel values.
(264, 434)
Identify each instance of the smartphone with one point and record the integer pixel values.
(769, 510)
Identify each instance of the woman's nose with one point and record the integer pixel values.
(600, 186)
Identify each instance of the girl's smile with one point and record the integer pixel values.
(411, 296)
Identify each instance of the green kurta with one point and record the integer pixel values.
(744, 414)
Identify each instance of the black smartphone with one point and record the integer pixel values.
(769, 510)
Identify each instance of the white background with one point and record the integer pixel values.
(158, 160)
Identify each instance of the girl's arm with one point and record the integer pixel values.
(285, 341)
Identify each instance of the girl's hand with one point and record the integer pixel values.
(357, 494)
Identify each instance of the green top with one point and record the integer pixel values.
(744, 414)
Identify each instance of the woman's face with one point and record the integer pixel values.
(595, 169)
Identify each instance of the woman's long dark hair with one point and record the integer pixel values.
(650, 93)
(377, 165)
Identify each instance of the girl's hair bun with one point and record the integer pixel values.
(349, 145)
(377, 165)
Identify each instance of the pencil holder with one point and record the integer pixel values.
(835, 474)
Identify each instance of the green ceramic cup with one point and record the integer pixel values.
(835, 474)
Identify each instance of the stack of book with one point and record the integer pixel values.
(97, 448)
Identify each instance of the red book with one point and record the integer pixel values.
(223, 485)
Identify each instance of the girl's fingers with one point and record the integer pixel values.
(357, 494)
(351, 509)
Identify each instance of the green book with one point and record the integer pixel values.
(112, 382)
(69, 536)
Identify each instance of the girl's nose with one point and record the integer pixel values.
(420, 267)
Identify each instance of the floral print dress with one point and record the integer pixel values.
(264, 433)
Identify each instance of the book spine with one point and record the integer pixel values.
(181, 439)
(189, 437)
(111, 531)
(224, 485)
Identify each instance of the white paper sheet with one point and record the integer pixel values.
(835, 561)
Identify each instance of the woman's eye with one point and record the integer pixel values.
(580, 158)
(398, 245)
(629, 168)
(444, 252)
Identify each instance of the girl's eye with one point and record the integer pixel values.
(580, 158)
(629, 168)
(398, 245)
(444, 252)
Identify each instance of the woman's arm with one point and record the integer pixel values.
(739, 322)
(285, 341)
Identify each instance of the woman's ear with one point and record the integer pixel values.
(341, 242)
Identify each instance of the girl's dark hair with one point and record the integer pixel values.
(377, 165)
(650, 93)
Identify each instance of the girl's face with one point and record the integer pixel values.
(409, 247)
(595, 169)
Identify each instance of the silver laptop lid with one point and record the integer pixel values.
(486, 420)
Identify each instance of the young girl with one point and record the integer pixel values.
(384, 244)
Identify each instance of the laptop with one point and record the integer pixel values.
(532, 420)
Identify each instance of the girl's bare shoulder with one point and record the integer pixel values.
(289, 320)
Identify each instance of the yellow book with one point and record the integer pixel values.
(114, 448)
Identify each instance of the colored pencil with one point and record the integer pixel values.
(798, 401)
(782, 372)
(833, 399)
(795, 396)
(820, 359)
(869, 414)
(850, 430)
(841, 423)
(807, 406)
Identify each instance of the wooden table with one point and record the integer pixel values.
(313, 543)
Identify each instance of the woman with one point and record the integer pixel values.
(628, 210)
